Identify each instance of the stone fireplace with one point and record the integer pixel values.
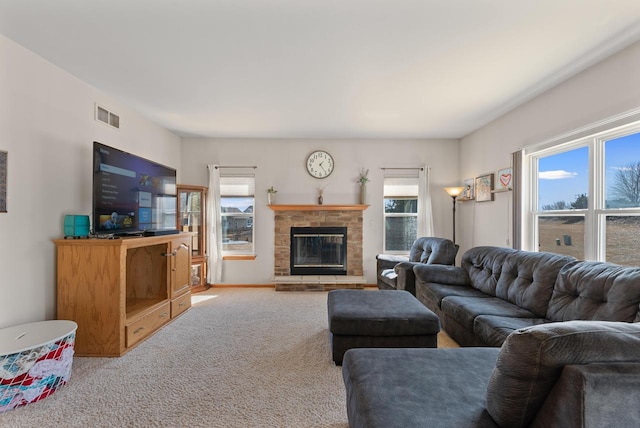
(313, 216)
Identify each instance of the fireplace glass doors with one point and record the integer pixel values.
(318, 251)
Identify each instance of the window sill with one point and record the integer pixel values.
(239, 257)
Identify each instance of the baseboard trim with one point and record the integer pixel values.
(241, 285)
(269, 285)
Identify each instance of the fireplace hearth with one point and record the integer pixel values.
(318, 251)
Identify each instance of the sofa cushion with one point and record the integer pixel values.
(532, 359)
(431, 295)
(492, 330)
(435, 293)
(484, 265)
(389, 388)
(596, 291)
(466, 309)
(527, 279)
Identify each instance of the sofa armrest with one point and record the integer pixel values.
(388, 261)
(406, 279)
(593, 395)
(441, 274)
(391, 259)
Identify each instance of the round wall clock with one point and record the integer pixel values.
(320, 164)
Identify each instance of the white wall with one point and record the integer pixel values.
(47, 126)
(281, 163)
(604, 90)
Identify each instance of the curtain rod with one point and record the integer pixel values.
(222, 167)
(415, 167)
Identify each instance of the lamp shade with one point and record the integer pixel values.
(454, 191)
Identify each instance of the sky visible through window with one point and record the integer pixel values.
(565, 176)
(237, 202)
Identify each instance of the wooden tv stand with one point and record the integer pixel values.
(120, 291)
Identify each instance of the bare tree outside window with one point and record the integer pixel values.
(625, 190)
(558, 205)
(581, 202)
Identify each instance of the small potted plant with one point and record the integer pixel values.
(363, 178)
(271, 195)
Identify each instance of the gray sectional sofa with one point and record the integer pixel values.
(499, 290)
(569, 374)
(548, 341)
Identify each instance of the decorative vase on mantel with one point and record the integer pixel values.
(363, 193)
(363, 179)
(271, 195)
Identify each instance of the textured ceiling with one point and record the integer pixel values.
(322, 68)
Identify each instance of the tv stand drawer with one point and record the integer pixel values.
(141, 328)
(180, 304)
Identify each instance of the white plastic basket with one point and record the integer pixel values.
(35, 360)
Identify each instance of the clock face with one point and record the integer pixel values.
(320, 164)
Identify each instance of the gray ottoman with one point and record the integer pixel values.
(379, 319)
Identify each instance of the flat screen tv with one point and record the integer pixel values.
(131, 194)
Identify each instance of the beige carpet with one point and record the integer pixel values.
(239, 358)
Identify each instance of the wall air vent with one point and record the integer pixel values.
(107, 117)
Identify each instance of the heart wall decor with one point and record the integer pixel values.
(504, 179)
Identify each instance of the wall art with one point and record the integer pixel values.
(504, 180)
(484, 187)
(468, 192)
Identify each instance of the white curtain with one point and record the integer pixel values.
(425, 213)
(517, 162)
(214, 241)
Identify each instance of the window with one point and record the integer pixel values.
(400, 213)
(563, 185)
(236, 213)
(585, 197)
(621, 217)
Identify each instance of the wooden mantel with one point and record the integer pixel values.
(312, 207)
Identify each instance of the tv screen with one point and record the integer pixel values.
(131, 194)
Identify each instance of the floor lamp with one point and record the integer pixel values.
(454, 192)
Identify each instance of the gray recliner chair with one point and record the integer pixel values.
(396, 272)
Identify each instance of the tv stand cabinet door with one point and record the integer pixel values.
(180, 266)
